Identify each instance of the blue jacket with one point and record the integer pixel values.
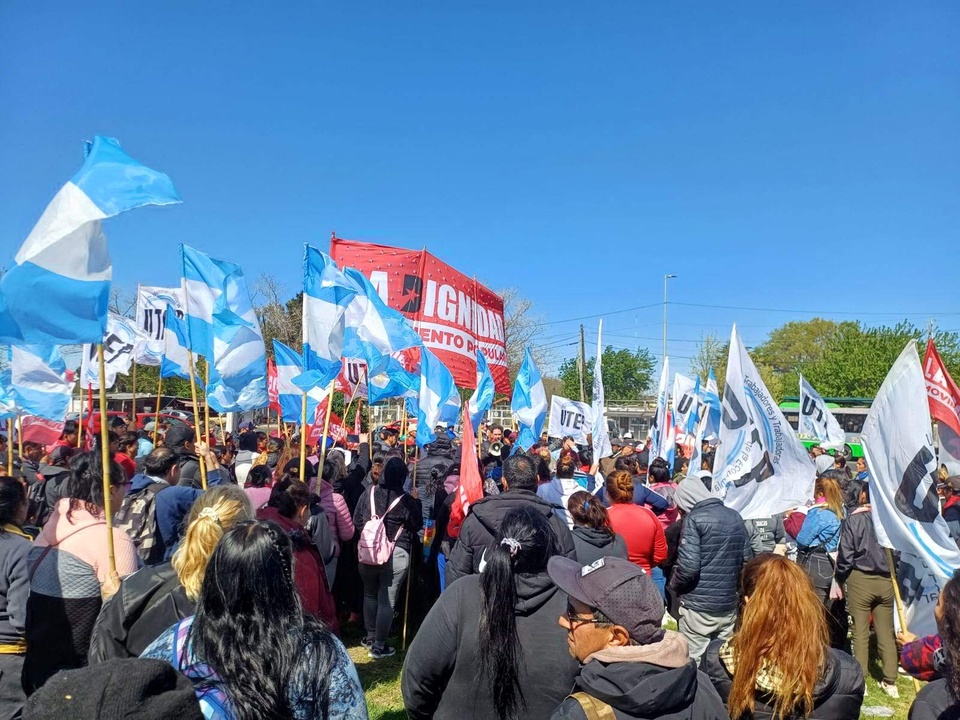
(642, 495)
(821, 528)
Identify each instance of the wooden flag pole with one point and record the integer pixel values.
(899, 603)
(405, 426)
(303, 438)
(369, 444)
(20, 436)
(10, 447)
(206, 405)
(134, 403)
(156, 417)
(280, 429)
(80, 422)
(106, 460)
(196, 416)
(326, 426)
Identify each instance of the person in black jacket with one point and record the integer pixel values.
(862, 565)
(490, 647)
(779, 663)
(429, 472)
(630, 664)
(593, 537)
(381, 582)
(714, 544)
(940, 699)
(482, 524)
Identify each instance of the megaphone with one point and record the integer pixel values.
(496, 448)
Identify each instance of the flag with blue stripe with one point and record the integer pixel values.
(482, 397)
(176, 358)
(529, 402)
(437, 389)
(394, 381)
(38, 381)
(289, 365)
(711, 398)
(65, 260)
(223, 327)
(8, 408)
(326, 294)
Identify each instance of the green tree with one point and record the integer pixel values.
(711, 353)
(627, 375)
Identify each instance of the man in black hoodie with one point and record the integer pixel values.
(483, 522)
(629, 663)
(431, 470)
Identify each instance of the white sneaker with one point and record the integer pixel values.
(890, 690)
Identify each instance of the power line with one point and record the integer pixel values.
(811, 312)
(600, 315)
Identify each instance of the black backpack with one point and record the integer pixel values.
(137, 517)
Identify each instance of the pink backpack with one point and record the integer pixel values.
(375, 546)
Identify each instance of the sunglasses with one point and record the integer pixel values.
(576, 620)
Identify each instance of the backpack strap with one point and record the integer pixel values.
(594, 709)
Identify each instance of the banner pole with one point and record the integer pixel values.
(134, 379)
(405, 428)
(303, 439)
(156, 419)
(280, 429)
(206, 404)
(326, 425)
(105, 460)
(899, 603)
(10, 447)
(370, 443)
(406, 604)
(196, 416)
(20, 434)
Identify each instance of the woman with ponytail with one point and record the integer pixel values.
(778, 663)
(592, 535)
(491, 647)
(154, 598)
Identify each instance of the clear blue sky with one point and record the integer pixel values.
(800, 156)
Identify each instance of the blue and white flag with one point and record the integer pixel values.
(121, 343)
(176, 356)
(529, 402)
(38, 381)
(223, 327)
(289, 365)
(394, 381)
(601, 431)
(326, 294)
(816, 420)
(437, 390)
(8, 408)
(711, 398)
(482, 397)
(59, 287)
(686, 403)
(659, 444)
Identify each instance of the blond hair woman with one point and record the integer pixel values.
(153, 599)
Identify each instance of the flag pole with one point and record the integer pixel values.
(134, 403)
(156, 419)
(405, 425)
(105, 460)
(303, 438)
(899, 603)
(369, 444)
(20, 434)
(196, 416)
(10, 447)
(206, 404)
(280, 429)
(326, 424)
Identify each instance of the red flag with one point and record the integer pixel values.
(942, 392)
(470, 488)
(273, 386)
(40, 430)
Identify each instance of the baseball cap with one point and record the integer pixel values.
(953, 482)
(617, 588)
(247, 425)
(178, 436)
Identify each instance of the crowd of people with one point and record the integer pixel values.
(552, 598)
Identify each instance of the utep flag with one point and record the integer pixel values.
(601, 433)
(38, 381)
(352, 380)
(686, 402)
(176, 357)
(470, 488)
(660, 446)
(152, 303)
(289, 365)
(326, 294)
(529, 402)
(569, 417)
(120, 344)
(898, 448)
(223, 327)
(761, 468)
(482, 397)
(944, 398)
(58, 289)
(816, 420)
(711, 398)
(436, 391)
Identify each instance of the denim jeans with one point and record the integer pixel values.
(660, 580)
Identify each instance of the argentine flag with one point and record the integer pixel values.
(38, 381)
(176, 358)
(326, 294)
(395, 381)
(289, 366)
(529, 403)
(59, 287)
(482, 397)
(223, 327)
(437, 392)
(711, 398)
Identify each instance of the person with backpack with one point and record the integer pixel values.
(388, 519)
(430, 470)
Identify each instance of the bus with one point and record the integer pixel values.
(851, 413)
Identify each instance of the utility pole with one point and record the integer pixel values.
(581, 362)
(665, 278)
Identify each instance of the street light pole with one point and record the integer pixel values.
(665, 278)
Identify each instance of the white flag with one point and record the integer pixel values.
(660, 445)
(761, 467)
(569, 417)
(685, 405)
(898, 448)
(601, 433)
(816, 420)
(120, 344)
(151, 307)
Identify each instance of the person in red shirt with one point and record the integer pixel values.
(68, 438)
(639, 527)
(126, 454)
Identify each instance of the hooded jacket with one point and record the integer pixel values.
(837, 695)
(481, 526)
(591, 545)
(438, 459)
(406, 514)
(933, 702)
(440, 671)
(338, 514)
(714, 544)
(646, 681)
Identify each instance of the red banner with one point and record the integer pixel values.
(452, 312)
(273, 386)
(942, 392)
(470, 488)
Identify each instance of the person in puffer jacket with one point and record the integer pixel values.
(429, 472)
(714, 544)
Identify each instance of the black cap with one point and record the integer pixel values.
(178, 436)
(617, 588)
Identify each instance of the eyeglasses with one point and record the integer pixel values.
(576, 620)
